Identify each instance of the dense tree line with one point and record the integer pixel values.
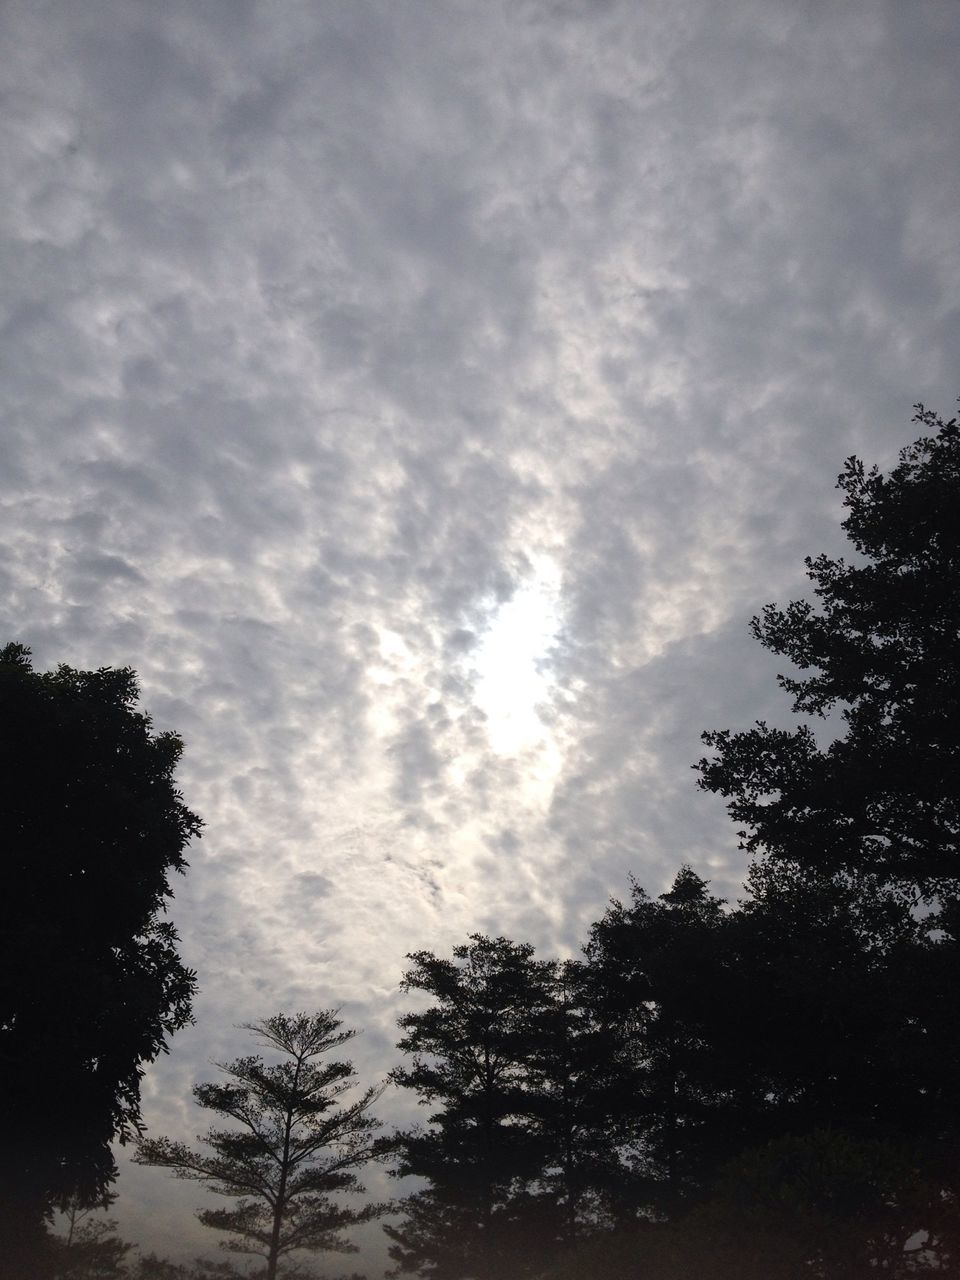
(766, 1088)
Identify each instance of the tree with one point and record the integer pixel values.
(91, 984)
(826, 1205)
(883, 800)
(294, 1146)
(834, 995)
(658, 972)
(90, 1249)
(853, 836)
(575, 1104)
(822, 1206)
(808, 1006)
(479, 1215)
(800, 1042)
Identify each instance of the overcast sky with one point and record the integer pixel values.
(421, 397)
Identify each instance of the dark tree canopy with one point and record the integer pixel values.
(520, 1154)
(469, 1053)
(787, 1102)
(657, 971)
(91, 984)
(764, 1090)
(883, 649)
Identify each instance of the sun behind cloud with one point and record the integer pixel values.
(512, 662)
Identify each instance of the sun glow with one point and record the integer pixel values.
(513, 677)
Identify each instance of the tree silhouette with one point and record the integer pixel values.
(521, 1154)
(787, 1074)
(575, 1105)
(658, 970)
(479, 1215)
(91, 985)
(884, 799)
(293, 1146)
(91, 1249)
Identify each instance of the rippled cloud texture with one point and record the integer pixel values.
(422, 396)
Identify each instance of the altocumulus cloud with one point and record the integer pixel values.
(334, 333)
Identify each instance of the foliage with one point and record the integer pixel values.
(91, 985)
(626, 1093)
(520, 1154)
(575, 1105)
(790, 1085)
(90, 1250)
(884, 799)
(469, 1052)
(656, 970)
(827, 1205)
(831, 1204)
(297, 1139)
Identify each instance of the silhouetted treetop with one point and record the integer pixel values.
(883, 648)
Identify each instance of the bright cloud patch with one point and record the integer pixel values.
(512, 662)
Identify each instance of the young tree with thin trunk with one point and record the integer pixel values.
(296, 1141)
(89, 1248)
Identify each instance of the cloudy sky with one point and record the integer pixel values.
(421, 395)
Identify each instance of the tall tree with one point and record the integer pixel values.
(479, 1215)
(883, 800)
(656, 972)
(574, 1104)
(91, 984)
(293, 1145)
(809, 1005)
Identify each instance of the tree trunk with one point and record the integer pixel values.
(273, 1257)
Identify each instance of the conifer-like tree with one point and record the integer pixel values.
(470, 1052)
(520, 1155)
(297, 1140)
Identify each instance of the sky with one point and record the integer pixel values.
(422, 396)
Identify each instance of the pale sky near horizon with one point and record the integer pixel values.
(422, 395)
